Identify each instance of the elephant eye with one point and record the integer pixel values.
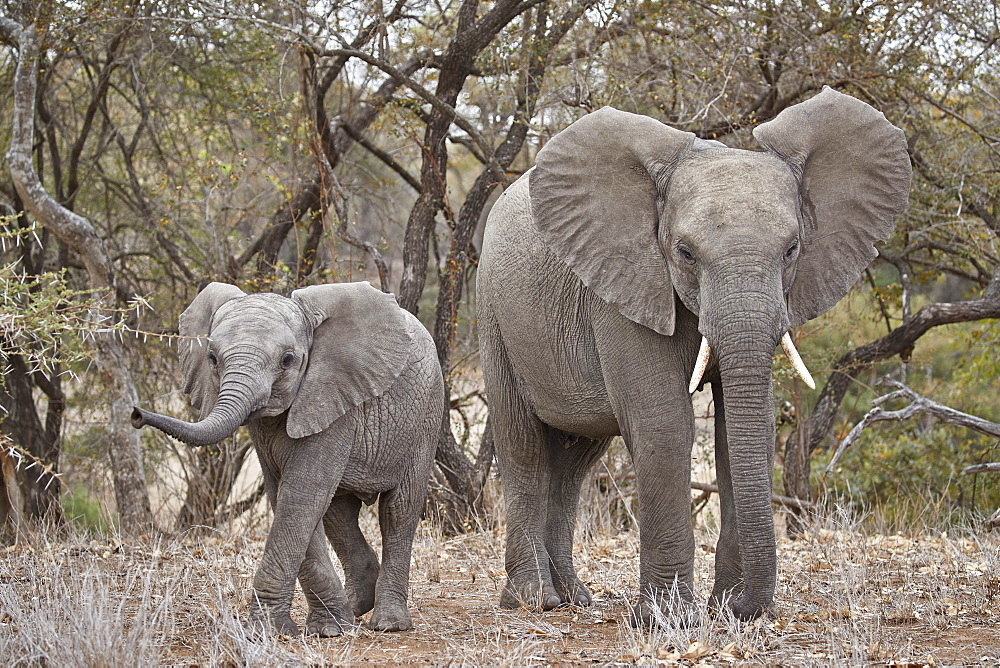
(287, 360)
(790, 253)
(212, 359)
(685, 253)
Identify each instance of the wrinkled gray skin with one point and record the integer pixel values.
(342, 393)
(601, 270)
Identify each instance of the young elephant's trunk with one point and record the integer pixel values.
(232, 409)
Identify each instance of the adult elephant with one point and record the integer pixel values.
(602, 269)
(342, 393)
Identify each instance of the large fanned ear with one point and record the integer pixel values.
(360, 346)
(594, 195)
(195, 323)
(855, 177)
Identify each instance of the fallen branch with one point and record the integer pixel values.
(787, 501)
(918, 406)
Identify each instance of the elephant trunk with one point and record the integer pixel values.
(235, 404)
(744, 337)
(749, 406)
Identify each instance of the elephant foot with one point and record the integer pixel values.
(722, 596)
(327, 623)
(576, 593)
(530, 596)
(665, 611)
(360, 586)
(390, 617)
(747, 610)
(262, 622)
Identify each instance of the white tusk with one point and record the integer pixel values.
(797, 363)
(700, 365)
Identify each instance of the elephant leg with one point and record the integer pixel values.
(330, 611)
(299, 496)
(527, 472)
(653, 409)
(262, 615)
(571, 460)
(398, 515)
(662, 461)
(728, 564)
(361, 566)
(522, 450)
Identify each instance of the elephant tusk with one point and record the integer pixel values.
(700, 365)
(797, 363)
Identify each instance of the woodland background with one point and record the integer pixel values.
(157, 146)
(154, 146)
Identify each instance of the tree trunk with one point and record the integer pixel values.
(39, 489)
(77, 233)
(471, 37)
(10, 502)
(462, 475)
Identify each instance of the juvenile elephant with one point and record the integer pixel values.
(602, 269)
(343, 395)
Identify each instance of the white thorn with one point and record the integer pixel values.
(797, 363)
(700, 365)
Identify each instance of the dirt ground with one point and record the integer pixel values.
(843, 597)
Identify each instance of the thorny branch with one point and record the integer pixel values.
(27, 461)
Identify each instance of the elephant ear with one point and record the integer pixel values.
(195, 323)
(594, 191)
(360, 346)
(854, 173)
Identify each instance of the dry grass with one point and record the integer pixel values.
(844, 596)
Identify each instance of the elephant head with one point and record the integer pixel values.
(752, 242)
(248, 356)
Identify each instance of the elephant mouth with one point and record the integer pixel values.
(705, 351)
(260, 412)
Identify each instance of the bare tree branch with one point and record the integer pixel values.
(309, 195)
(339, 206)
(918, 406)
(434, 100)
(387, 159)
(992, 467)
(900, 340)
